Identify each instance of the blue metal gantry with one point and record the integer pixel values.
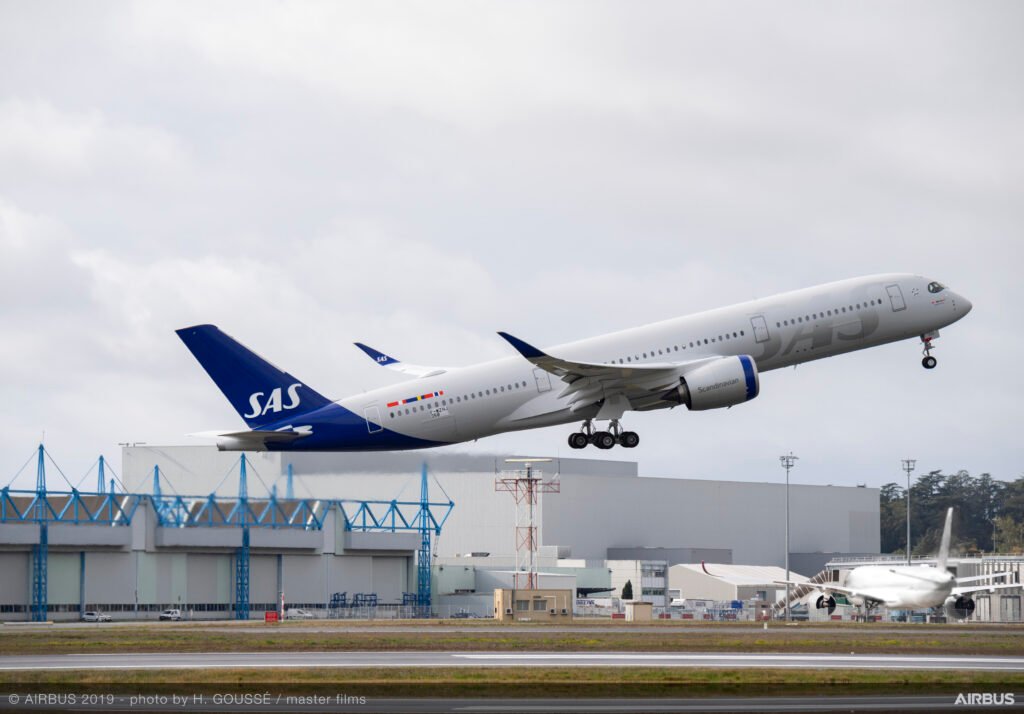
(40, 551)
(107, 507)
(242, 555)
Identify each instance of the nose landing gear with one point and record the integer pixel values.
(603, 439)
(928, 362)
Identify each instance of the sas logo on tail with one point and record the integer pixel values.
(273, 401)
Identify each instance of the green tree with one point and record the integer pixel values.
(1009, 535)
(892, 511)
(977, 503)
(627, 590)
(1012, 500)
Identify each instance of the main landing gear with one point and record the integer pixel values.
(928, 362)
(603, 439)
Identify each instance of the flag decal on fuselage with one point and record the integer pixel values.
(420, 398)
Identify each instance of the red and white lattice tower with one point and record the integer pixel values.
(525, 484)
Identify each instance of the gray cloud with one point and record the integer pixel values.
(416, 177)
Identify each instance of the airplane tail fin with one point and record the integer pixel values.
(944, 546)
(260, 392)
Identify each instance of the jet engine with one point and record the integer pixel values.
(958, 607)
(826, 602)
(720, 383)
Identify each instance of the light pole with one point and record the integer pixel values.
(908, 466)
(787, 461)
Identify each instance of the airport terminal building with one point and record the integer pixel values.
(605, 526)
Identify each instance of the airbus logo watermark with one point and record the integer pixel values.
(273, 401)
(985, 699)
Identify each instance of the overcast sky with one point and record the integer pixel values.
(417, 176)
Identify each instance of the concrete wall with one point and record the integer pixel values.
(692, 585)
(141, 569)
(603, 508)
(598, 513)
(672, 555)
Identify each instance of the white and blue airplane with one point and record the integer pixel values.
(709, 360)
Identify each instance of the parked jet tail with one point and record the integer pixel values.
(944, 544)
(260, 392)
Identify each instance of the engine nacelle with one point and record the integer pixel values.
(722, 383)
(958, 608)
(824, 602)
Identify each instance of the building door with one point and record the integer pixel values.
(760, 328)
(1009, 608)
(372, 415)
(896, 297)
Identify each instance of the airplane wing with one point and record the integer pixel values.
(982, 588)
(620, 386)
(391, 363)
(977, 578)
(830, 588)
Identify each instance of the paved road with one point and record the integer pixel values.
(262, 660)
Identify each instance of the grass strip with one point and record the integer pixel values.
(184, 639)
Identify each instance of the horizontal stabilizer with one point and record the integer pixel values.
(252, 440)
(391, 363)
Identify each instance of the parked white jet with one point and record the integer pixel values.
(708, 360)
(911, 587)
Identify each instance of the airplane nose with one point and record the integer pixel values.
(964, 303)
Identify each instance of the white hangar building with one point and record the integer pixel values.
(604, 509)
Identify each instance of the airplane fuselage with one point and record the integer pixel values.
(513, 393)
(903, 587)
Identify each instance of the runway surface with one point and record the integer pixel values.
(306, 660)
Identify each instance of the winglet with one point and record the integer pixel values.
(705, 569)
(378, 357)
(526, 350)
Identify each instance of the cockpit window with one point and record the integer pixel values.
(936, 287)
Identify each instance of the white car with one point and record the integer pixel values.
(173, 614)
(297, 613)
(94, 616)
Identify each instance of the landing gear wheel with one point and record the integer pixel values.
(578, 440)
(629, 439)
(929, 362)
(603, 440)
